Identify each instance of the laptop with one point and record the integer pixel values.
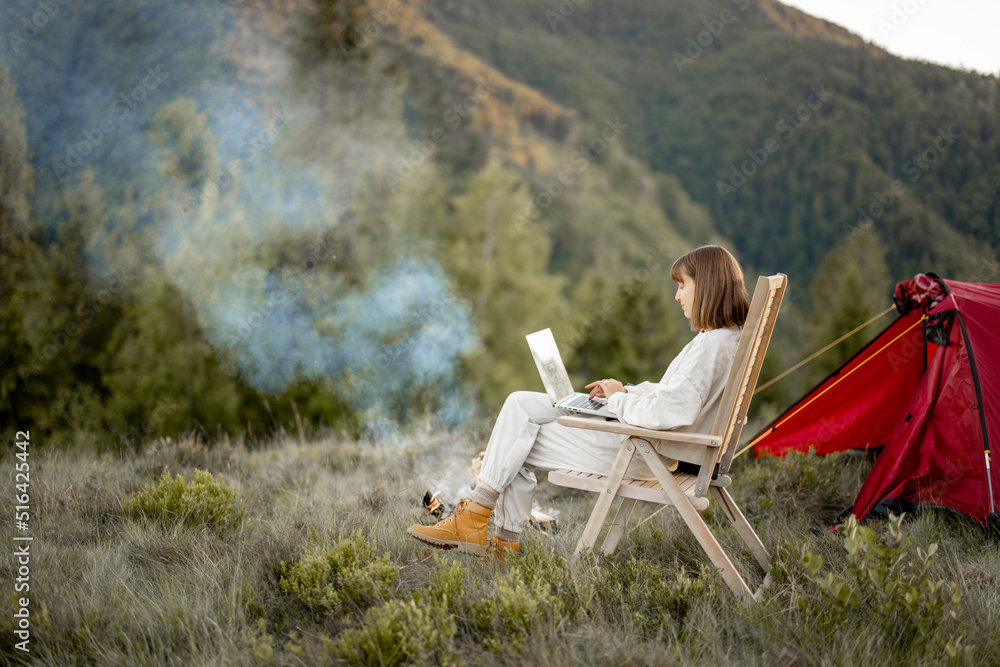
(556, 379)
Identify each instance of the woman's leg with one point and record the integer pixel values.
(523, 413)
(526, 437)
(513, 437)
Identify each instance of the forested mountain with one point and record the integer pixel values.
(253, 214)
(704, 96)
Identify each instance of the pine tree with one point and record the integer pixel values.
(851, 286)
(499, 269)
(22, 263)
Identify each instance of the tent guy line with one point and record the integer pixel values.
(819, 352)
(760, 437)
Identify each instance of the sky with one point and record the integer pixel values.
(957, 33)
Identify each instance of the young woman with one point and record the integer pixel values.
(526, 436)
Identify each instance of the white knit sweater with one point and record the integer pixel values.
(687, 396)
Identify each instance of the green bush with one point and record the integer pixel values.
(444, 592)
(516, 610)
(638, 592)
(572, 588)
(203, 501)
(421, 630)
(346, 574)
(400, 633)
(261, 644)
(889, 587)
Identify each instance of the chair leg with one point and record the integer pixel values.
(743, 527)
(696, 524)
(618, 524)
(607, 496)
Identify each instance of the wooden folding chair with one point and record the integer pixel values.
(713, 451)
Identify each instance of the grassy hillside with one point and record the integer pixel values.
(295, 553)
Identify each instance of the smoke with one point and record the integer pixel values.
(233, 184)
(378, 345)
(405, 332)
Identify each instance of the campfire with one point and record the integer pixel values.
(438, 504)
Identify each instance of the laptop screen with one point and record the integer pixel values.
(550, 365)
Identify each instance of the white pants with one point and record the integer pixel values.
(525, 437)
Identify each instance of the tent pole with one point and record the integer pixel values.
(979, 396)
(989, 481)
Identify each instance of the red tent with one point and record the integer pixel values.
(927, 389)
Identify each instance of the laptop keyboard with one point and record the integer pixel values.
(583, 401)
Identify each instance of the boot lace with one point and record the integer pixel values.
(462, 504)
(495, 552)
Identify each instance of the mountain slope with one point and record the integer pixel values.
(701, 112)
(799, 24)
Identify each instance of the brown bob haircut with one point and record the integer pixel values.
(720, 297)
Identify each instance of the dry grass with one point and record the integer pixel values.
(110, 590)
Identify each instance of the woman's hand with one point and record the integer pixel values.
(604, 388)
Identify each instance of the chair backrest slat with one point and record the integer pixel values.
(747, 363)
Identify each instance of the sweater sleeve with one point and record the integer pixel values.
(680, 397)
(669, 404)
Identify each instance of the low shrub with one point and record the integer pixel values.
(515, 610)
(345, 575)
(399, 633)
(887, 586)
(420, 631)
(642, 594)
(572, 588)
(202, 501)
(446, 589)
(261, 644)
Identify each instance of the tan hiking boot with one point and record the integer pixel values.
(497, 548)
(465, 529)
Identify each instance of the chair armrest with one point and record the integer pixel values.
(598, 424)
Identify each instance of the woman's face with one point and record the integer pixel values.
(685, 294)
